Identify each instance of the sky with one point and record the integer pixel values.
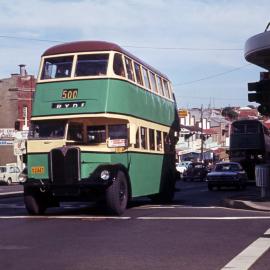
(198, 44)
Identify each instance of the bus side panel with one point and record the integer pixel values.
(129, 99)
(38, 166)
(144, 170)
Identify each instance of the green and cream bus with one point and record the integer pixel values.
(104, 126)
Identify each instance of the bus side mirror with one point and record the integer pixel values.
(132, 133)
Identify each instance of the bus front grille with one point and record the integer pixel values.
(65, 165)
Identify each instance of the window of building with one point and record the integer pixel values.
(153, 82)
(96, 134)
(92, 65)
(152, 139)
(144, 143)
(146, 78)
(118, 65)
(159, 140)
(129, 69)
(75, 132)
(138, 73)
(57, 67)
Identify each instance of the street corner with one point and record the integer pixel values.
(248, 202)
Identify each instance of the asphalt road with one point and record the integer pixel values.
(195, 232)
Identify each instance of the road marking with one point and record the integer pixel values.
(203, 218)
(66, 217)
(11, 193)
(245, 259)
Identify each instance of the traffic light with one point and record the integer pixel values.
(261, 94)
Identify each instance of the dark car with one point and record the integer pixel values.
(227, 174)
(196, 171)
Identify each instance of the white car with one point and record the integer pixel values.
(182, 167)
(9, 173)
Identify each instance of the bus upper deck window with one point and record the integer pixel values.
(160, 88)
(92, 65)
(138, 73)
(118, 66)
(146, 78)
(166, 89)
(129, 69)
(57, 67)
(96, 134)
(153, 82)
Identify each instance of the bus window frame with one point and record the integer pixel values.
(140, 72)
(148, 86)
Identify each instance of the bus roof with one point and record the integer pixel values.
(90, 46)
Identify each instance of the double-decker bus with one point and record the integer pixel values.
(104, 127)
(249, 144)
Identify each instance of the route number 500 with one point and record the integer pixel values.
(69, 93)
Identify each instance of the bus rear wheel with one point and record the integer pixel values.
(117, 194)
(34, 205)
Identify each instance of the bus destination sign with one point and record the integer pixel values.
(67, 105)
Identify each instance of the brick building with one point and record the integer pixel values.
(16, 95)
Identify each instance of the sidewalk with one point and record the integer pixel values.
(14, 190)
(251, 200)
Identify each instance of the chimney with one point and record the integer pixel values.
(22, 70)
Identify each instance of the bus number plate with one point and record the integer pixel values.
(69, 93)
(37, 170)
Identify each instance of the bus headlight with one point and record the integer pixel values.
(105, 175)
(22, 178)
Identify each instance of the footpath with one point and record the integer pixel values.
(250, 200)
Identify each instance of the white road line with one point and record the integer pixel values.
(11, 193)
(245, 259)
(65, 217)
(203, 218)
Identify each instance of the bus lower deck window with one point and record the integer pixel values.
(118, 132)
(96, 134)
(152, 139)
(144, 143)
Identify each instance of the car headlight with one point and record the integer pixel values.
(105, 175)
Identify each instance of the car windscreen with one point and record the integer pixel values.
(47, 130)
(227, 167)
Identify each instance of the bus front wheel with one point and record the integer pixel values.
(34, 205)
(117, 194)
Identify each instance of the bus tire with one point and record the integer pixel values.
(34, 205)
(117, 194)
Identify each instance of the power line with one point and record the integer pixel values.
(216, 98)
(130, 46)
(212, 76)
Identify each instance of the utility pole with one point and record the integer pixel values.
(202, 133)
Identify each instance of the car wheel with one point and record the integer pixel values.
(117, 194)
(9, 181)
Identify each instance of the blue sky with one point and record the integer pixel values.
(179, 25)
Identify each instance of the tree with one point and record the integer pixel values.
(230, 113)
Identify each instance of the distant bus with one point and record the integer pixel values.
(249, 144)
(104, 127)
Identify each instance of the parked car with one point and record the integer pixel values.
(182, 167)
(196, 171)
(9, 173)
(227, 174)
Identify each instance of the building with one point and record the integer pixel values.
(16, 95)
